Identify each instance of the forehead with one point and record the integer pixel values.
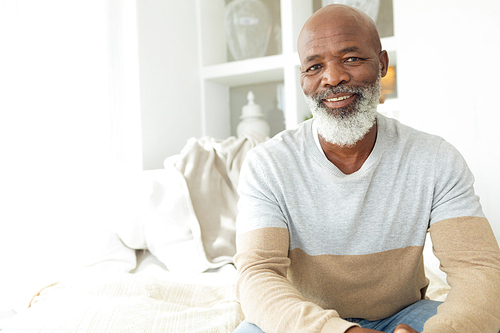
(333, 33)
(332, 38)
(324, 40)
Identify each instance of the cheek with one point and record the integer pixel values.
(308, 84)
(366, 76)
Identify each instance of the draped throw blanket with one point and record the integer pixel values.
(185, 213)
(211, 170)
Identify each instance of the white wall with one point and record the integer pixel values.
(65, 115)
(54, 139)
(448, 67)
(169, 77)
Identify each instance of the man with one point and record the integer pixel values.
(333, 215)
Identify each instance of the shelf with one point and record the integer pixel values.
(243, 72)
(225, 83)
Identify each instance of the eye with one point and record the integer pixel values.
(313, 68)
(352, 59)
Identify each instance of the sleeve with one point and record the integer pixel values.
(467, 249)
(267, 297)
(453, 186)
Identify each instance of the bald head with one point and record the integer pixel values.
(336, 20)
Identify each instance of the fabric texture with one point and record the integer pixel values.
(184, 214)
(315, 245)
(129, 303)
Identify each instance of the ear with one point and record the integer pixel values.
(384, 62)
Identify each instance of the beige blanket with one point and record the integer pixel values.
(183, 214)
(125, 302)
(129, 303)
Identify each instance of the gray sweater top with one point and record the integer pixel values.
(330, 245)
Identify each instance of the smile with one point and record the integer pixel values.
(337, 99)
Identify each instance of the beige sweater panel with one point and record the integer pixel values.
(470, 256)
(276, 305)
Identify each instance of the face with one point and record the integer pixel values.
(341, 67)
(340, 54)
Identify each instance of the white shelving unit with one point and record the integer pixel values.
(218, 75)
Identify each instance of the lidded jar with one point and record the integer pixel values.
(252, 118)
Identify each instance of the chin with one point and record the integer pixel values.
(344, 127)
(341, 113)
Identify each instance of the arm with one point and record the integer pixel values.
(467, 249)
(469, 255)
(267, 297)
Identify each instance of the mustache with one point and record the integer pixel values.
(337, 90)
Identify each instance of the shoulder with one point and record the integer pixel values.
(416, 143)
(396, 129)
(423, 151)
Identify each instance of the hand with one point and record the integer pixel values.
(403, 328)
(360, 330)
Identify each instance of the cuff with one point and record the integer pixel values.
(337, 325)
(439, 328)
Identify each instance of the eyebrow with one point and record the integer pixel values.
(312, 57)
(343, 51)
(350, 49)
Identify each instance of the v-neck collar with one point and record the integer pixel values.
(373, 158)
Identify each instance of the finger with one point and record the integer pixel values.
(403, 328)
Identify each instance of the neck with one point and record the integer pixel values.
(350, 159)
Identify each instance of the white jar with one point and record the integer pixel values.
(252, 118)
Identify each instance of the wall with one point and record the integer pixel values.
(54, 138)
(448, 82)
(75, 96)
(169, 78)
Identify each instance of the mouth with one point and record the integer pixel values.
(339, 100)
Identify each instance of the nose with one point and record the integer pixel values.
(334, 75)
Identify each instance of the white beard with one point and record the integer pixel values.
(346, 126)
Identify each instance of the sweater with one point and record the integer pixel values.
(315, 245)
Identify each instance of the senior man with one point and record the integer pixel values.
(334, 214)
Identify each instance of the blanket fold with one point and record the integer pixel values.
(211, 169)
(184, 214)
(125, 302)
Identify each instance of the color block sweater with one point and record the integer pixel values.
(315, 245)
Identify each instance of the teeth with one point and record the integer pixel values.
(336, 99)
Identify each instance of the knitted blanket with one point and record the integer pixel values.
(185, 213)
(129, 303)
